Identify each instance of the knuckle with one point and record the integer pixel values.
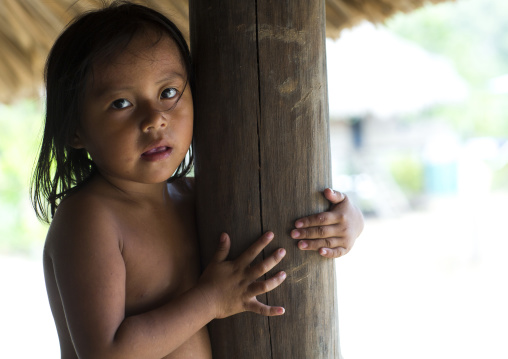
(264, 311)
(340, 252)
(263, 268)
(252, 252)
(321, 230)
(315, 244)
(332, 253)
(328, 243)
(322, 218)
(263, 287)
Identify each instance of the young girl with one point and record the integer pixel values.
(121, 256)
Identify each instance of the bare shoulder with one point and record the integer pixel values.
(83, 215)
(84, 269)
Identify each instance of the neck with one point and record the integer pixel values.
(153, 193)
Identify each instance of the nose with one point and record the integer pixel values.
(153, 119)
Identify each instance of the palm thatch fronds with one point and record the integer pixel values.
(28, 28)
(341, 14)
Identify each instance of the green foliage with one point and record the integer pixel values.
(19, 129)
(500, 178)
(407, 170)
(483, 115)
(473, 34)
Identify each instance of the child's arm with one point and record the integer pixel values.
(332, 233)
(90, 273)
(225, 288)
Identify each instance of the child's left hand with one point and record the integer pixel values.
(332, 233)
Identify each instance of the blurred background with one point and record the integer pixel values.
(419, 130)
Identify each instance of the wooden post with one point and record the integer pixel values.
(262, 160)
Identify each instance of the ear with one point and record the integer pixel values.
(75, 141)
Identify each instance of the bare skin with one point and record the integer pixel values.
(121, 256)
(332, 233)
(123, 289)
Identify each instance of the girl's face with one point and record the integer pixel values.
(138, 115)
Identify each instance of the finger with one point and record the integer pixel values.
(334, 196)
(320, 219)
(333, 252)
(250, 253)
(264, 286)
(222, 251)
(324, 218)
(266, 265)
(263, 309)
(322, 231)
(315, 244)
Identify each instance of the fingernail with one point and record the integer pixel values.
(269, 235)
(282, 252)
(302, 245)
(323, 251)
(299, 224)
(295, 233)
(282, 275)
(282, 311)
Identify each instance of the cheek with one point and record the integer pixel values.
(188, 116)
(185, 126)
(186, 136)
(190, 131)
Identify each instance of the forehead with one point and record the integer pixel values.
(148, 54)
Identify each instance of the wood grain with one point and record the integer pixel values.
(262, 160)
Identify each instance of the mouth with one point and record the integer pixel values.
(157, 153)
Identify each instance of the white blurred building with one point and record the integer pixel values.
(374, 77)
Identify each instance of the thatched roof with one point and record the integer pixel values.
(28, 28)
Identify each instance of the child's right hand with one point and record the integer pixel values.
(232, 286)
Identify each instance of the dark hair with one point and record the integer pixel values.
(93, 36)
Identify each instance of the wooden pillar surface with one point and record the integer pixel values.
(262, 160)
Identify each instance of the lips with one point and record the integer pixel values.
(156, 150)
(157, 153)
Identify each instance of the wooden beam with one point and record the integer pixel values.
(262, 158)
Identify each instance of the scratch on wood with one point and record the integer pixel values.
(299, 273)
(304, 98)
(287, 86)
(280, 33)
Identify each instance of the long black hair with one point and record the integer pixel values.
(94, 36)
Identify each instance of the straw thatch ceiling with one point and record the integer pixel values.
(28, 28)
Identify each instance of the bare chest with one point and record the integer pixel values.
(161, 257)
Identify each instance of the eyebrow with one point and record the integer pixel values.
(99, 92)
(171, 77)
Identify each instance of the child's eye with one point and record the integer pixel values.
(169, 93)
(120, 104)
